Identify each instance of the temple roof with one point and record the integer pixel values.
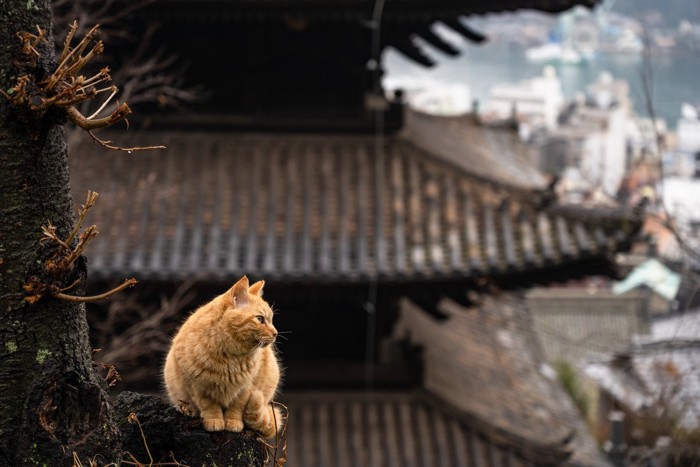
(400, 8)
(330, 208)
(401, 19)
(395, 429)
(489, 152)
(485, 361)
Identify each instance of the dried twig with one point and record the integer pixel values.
(66, 256)
(82, 213)
(108, 144)
(31, 41)
(91, 462)
(67, 87)
(49, 232)
(147, 74)
(76, 282)
(133, 419)
(93, 123)
(272, 451)
(60, 264)
(94, 298)
(135, 336)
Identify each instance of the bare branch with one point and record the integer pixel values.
(56, 268)
(85, 238)
(49, 232)
(280, 438)
(144, 75)
(131, 332)
(82, 213)
(77, 281)
(66, 87)
(94, 298)
(134, 419)
(93, 124)
(108, 144)
(104, 104)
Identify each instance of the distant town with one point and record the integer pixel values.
(583, 34)
(598, 146)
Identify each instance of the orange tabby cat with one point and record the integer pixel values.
(222, 364)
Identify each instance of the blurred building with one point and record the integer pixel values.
(373, 227)
(657, 282)
(589, 148)
(577, 325)
(535, 103)
(656, 384)
(686, 159)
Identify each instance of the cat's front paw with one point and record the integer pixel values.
(233, 424)
(213, 424)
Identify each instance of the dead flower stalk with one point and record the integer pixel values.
(67, 87)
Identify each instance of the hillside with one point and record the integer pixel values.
(660, 12)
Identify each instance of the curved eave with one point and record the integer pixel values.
(398, 11)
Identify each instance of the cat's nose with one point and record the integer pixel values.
(274, 333)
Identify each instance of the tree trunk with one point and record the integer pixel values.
(52, 402)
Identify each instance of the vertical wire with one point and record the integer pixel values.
(370, 305)
(370, 334)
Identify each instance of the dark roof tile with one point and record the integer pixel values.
(494, 377)
(327, 207)
(391, 429)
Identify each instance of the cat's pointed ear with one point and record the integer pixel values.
(257, 288)
(239, 292)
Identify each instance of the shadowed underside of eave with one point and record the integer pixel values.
(398, 10)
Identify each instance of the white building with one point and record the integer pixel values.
(431, 96)
(591, 144)
(660, 372)
(686, 159)
(534, 102)
(689, 129)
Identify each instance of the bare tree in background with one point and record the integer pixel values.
(150, 74)
(134, 337)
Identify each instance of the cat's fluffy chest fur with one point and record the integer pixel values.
(222, 364)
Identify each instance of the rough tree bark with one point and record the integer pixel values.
(52, 402)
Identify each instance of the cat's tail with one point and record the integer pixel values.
(261, 416)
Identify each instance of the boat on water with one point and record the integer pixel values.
(552, 52)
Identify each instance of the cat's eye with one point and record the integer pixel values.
(260, 318)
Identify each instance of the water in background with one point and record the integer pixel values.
(675, 77)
